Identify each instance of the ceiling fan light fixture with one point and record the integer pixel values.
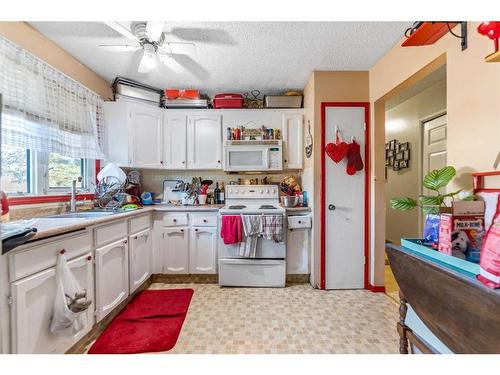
(148, 61)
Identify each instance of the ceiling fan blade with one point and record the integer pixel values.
(178, 48)
(148, 61)
(154, 29)
(122, 30)
(171, 63)
(119, 47)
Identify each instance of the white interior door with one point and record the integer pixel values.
(434, 145)
(345, 204)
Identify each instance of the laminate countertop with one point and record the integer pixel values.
(69, 222)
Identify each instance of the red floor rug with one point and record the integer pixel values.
(151, 322)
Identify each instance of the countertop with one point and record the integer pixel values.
(52, 226)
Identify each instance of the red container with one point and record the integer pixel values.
(182, 94)
(228, 101)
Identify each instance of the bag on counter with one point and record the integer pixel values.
(489, 264)
(70, 300)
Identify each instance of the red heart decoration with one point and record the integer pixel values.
(339, 151)
(329, 150)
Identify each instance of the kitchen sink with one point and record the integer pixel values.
(93, 214)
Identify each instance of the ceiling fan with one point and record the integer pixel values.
(150, 37)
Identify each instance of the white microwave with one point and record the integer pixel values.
(253, 156)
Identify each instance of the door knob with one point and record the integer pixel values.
(331, 207)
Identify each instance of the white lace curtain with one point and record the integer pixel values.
(45, 110)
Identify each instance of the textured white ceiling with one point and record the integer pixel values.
(236, 56)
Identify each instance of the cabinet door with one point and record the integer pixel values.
(112, 279)
(140, 258)
(117, 136)
(146, 124)
(292, 137)
(204, 141)
(174, 140)
(176, 250)
(297, 251)
(32, 307)
(203, 250)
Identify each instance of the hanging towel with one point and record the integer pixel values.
(231, 229)
(252, 228)
(273, 228)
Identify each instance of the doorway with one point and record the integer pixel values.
(415, 136)
(345, 199)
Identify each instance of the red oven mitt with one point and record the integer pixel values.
(354, 160)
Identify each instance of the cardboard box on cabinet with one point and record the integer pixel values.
(461, 232)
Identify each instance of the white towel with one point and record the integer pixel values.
(252, 229)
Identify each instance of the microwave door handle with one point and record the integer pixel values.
(267, 158)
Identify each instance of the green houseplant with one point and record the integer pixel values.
(435, 181)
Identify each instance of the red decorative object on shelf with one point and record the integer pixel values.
(491, 29)
(428, 33)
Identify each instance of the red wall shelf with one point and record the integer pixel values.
(428, 33)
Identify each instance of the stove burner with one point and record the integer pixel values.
(237, 207)
(267, 207)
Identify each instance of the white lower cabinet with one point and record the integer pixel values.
(203, 250)
(139, 258)
(112, 276)
(297, 244)
(32, 306)
(176, 250)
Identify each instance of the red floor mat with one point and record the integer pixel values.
(151, 322)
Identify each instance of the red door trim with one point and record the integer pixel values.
(366, 160)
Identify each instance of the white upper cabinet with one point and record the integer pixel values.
(117, 132)
(293, 140)
(174, 140)
(204, 137)
(145, 143)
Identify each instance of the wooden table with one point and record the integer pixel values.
(459, 310)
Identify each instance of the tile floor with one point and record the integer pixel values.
(296, 319)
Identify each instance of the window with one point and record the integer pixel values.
(15, 176)
(62, 170)
(30, 172)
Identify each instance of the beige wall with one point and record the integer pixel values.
(325, 87)
(404, 123)
(473, 107)
(30, 39)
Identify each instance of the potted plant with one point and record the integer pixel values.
(432, 205)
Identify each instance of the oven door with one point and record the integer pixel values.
(265, 249)
(246, 158)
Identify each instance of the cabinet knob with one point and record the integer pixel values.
(89, 257)
(161, 161)
(285, 161)
(204, 220)
(62, 251)
(300, 222)
(174, 220)
(182, 230)
(183, 162)
(218, 161)
(125, 242)
(196, 230)
(138, 237)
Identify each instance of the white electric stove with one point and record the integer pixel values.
(268, 267)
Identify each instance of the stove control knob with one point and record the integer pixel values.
(242, 191)
(261, 191)
(267, 191)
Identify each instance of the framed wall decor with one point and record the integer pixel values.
(397, 154)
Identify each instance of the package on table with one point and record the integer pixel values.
(461, 233)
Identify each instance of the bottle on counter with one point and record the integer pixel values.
(222, 193)
(229, 134)
(217, 193)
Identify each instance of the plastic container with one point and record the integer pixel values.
(182, 94)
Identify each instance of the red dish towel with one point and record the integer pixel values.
(231, 229)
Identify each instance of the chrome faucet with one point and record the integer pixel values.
(73, 193)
